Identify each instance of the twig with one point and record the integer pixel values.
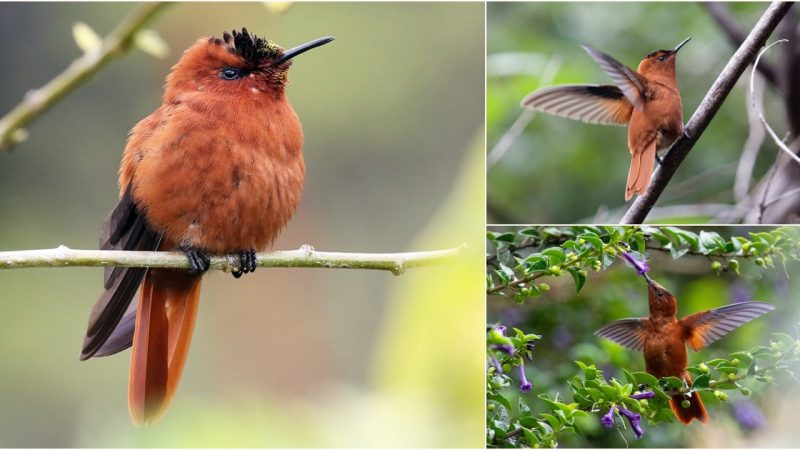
(305, 256)
(706, 111)
(780, 197)
(752, 146)
(37, 101)
(504, 144)
(769, 129)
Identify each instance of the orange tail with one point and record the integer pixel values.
(642, 162)
(164, 324)
(696, 410)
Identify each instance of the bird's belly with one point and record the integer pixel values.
(223, 196)
(664, 357)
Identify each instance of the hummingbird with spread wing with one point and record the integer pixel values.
(663, 338)
(647, 99)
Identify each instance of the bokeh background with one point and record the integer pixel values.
(564, 171)
(393, 116)
(567, 323)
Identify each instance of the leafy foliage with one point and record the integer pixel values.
(518, 259)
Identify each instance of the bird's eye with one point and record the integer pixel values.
(662, 58)
(230, 73)
(659, 293)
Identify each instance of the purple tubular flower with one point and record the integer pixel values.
(608, 419)
(497, 367)
(643, 395)
(640, 265)
(634, 419)
(501, 329)
(524, 384)
(508, 349)
(749, 415)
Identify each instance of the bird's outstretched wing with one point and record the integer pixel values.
(125, 228)
(628, 333)
(605, 105)
(633, 85)
(703, 328)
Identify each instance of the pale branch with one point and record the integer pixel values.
(305, 256)
(769, 129)
(707, 110)
(37, 101)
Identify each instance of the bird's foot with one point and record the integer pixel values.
(198, 260)
(248, 263)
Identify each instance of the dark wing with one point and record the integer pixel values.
(628, 333)
(585, 102)
(628, 80)
(705, 327)
(125, 228)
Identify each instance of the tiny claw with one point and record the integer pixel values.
(659, 160)
(198, 260)
(247, 263)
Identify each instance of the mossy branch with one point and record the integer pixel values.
(37, 101)
(305, 256)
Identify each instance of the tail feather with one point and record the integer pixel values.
(642, 164)
(163, 331)
(696, 410)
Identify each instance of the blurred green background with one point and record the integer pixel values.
(565, 171)
(283, 357)
(567, 323)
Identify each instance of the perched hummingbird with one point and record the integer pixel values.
(663, 338)
(216, 169)
(647, 99)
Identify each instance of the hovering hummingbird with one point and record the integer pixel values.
(662, 338)
(647, 99)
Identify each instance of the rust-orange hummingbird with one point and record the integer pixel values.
(647, 99)
(663, 338)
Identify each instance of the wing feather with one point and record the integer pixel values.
(633, 85)
(605, 105)
(628, 333)
(703, 328)
(124, 229)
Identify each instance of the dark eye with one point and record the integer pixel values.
(662, 58)
(230, 73)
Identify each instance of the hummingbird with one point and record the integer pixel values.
(216, 169)
(647, 99)
(662, 338)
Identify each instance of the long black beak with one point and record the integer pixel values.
(292, 52)
(646, 276)
(678, 47)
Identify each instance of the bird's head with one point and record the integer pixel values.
(660, 298)
(237, 63)
(661, 61)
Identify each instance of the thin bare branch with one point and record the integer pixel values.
(37, 101)
(752, 146)
(305, 256)
(525, 117)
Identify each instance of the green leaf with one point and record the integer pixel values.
(701, 382)
(579, 277)
(501, 420)
(524, 410)
(557, 256)
(672, 383)
(645, 378)
(502, 401)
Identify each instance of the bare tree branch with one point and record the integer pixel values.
(305, 256)
(37, 101)
(504, 144)
(706, 111)
(752, 146)
(720, 13)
